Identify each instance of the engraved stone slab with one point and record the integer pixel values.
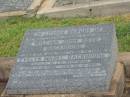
(65, 60)
(14, 5)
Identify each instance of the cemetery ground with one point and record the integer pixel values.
(12, 30)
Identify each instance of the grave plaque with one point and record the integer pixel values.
(14, 5)
(65, 60)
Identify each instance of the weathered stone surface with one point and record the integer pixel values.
(65, 60)
(116, 89)
(14, 5)
(124, 58)
(5, 66)
(2, 87)
(60, 3)
(95, 8)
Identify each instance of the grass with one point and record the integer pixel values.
(13, 29)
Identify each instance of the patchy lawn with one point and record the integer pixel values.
(12, 30)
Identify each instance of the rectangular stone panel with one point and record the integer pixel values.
(65, 60)
(14, 5)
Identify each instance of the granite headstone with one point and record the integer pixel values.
(65, 60)
(14, 5)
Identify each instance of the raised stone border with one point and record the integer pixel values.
(106, 8)
(5, 66)
(46, 8)
(125, 59)
(31, 10)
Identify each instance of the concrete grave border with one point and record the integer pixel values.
(111, 7)
(30, 10)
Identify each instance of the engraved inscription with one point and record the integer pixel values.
(65, 60)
